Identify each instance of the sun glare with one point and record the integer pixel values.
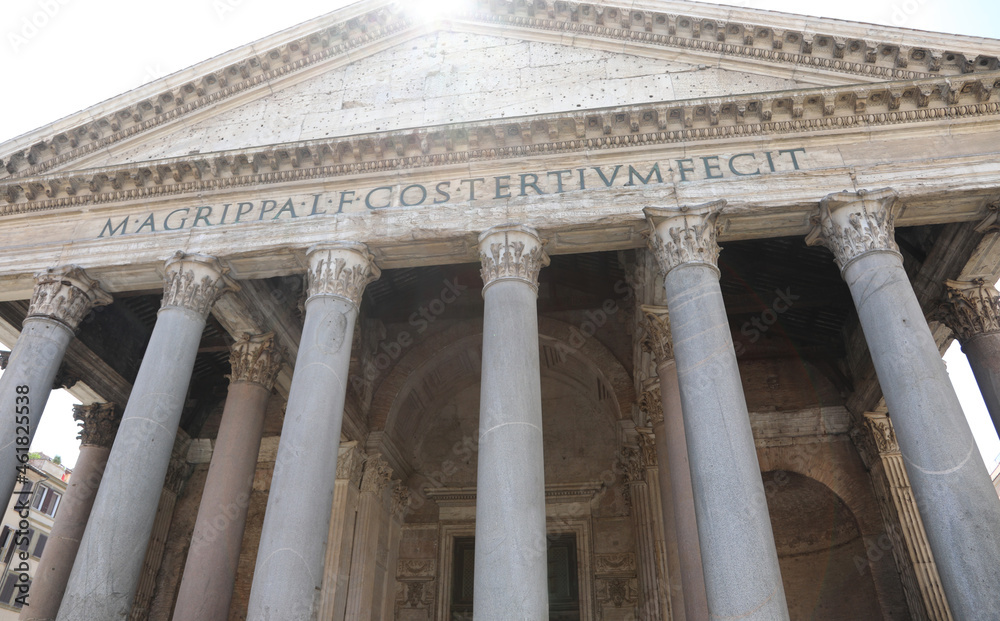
(429, 10)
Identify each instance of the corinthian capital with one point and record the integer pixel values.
(98, 423)
(658, 340)
(687, 236)
(972, 308)
(651, 402)
(350, 459)
(195, 282)
(256, 360)
(511, 252)
(852, 224)
(342, 270)
(66, 294)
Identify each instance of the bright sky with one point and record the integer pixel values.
(61, 56)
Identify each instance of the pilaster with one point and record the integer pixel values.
(876, 441)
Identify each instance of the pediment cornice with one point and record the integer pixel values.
(825, 46)
(679, 122)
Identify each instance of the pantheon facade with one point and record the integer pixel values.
(533, 310)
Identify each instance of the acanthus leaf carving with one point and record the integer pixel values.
(632, 467)
(98, 423)
(972, 308)
(255, 359)
(341, 269)
(853, 224)
(880, 426)
(376, 476)
(195, 282)
(66, 294)
(658, 340)
(511, 252)
(685, 236)
(349, 463)
(651, 403)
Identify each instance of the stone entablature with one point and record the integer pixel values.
(821, 46)
(662, 123)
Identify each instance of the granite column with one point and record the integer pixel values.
(288, 576)
(952, 487)
(206, 588)
(62, 298)
(672, 456)
(108, 565)
(511, 566)
(973, 314)
(742, 577)
(100, 422)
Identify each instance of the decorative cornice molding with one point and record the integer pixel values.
(658, 340)
(664, 123)
(98, 423)
(194, 282)
(341, 269)
(66, 294)
(256, 360)
(971, 308)
(831, 52)
(511, 252)
(376, 476)
(853, 224)
(685, 237)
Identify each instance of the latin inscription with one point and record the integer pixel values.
(470, 189)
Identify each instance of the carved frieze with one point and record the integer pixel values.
(376, 476)
(511, 252)
(686, 236)
(614, 564)
(852, 224)
(194, 282)
(255, 359)
(341, 269)
(416, 569)
(972, 308)
(617, 592)
(658, 340)
(98, 423)
(66, 294)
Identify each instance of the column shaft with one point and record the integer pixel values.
(288, 575)
(645, 541)
(952, 487)
(984, 357)
(57, 560)
(742, 576)
(511, 566)
(340, 540)
(671, 446)
(109, 563)
(24, 389)
(206, 588)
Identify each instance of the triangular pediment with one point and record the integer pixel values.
(374, 67)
